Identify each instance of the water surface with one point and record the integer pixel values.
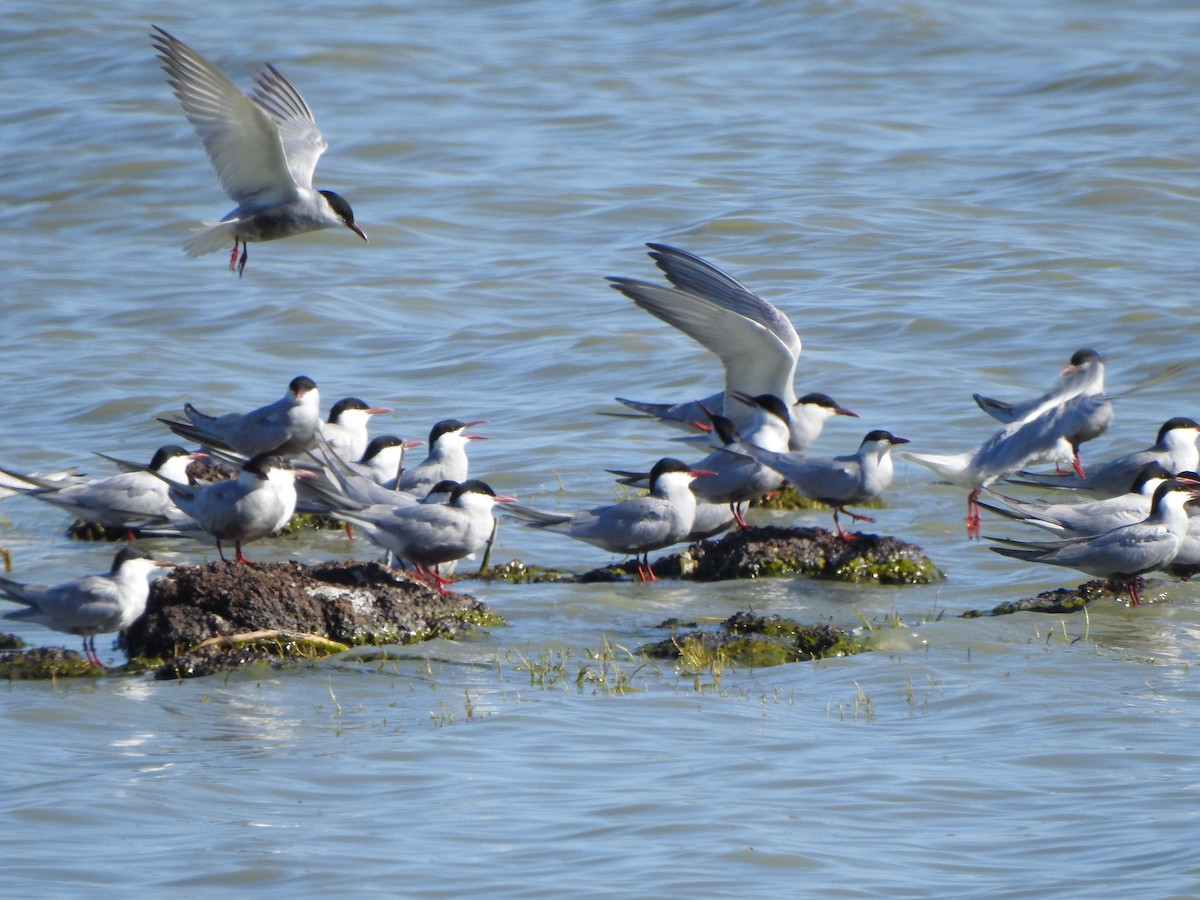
(946, 197)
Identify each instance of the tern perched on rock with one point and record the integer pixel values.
(635, 527)
(1123, 553)
(91, 605)
(286, 427)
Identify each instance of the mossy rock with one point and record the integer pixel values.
(301, 522)
(771, 551)
(787, 498)
(516, 572)
(11, 642)
(746, 639)
(45, 663)
(1060, 600)
(203, 618)
(95, 532)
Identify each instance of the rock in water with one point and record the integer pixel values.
(290, 609)
(768, 550)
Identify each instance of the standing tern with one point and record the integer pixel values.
(430, 534)
(264, 149)
(837, 481)
(1085, 408)
(1017, 444)
(346, 427)
(91, 605)
(260, 501)
(286, 427)
(635, 527)
(383, 461)
(346, 486)
(1186, 564)
(756, 343)
(125, 502)
(735, 479)
(446, 459)
(1089, 516)
(1081, 386)
(1125, 552)
(1174, 449)
(806, 417)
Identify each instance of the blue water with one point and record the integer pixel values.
(946, 197)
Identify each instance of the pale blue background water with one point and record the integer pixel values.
(945, 196)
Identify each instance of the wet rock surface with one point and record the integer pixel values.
(751, 640)
(1060, 600)
(276, 611)
(773, 551)
(19, 664)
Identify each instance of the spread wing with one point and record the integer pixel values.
(302, 141)
(242, 138)
(755, 359)
(694, 275)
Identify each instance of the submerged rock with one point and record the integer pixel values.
(750, 640)
(205, 618)
(516, 572)
(42, 663)
(1060, 600)
(772, 551)
(788, 498)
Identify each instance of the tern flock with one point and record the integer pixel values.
(755, 434)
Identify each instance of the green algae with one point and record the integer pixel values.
(772, 552)
(301, 522)
(517, 572)
(46, 664)
(894, 570)
(788, 498)
(746, 639)
(1060, 600)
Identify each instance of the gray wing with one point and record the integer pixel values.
(817, 478)
(755, 359)
(643, 523)
(84, 606)
(695, 275)
(242, 140)
(1127, 551)
(1019, 444)
(127, 494)
(214, 507)
(302, 140)
(258, 431)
